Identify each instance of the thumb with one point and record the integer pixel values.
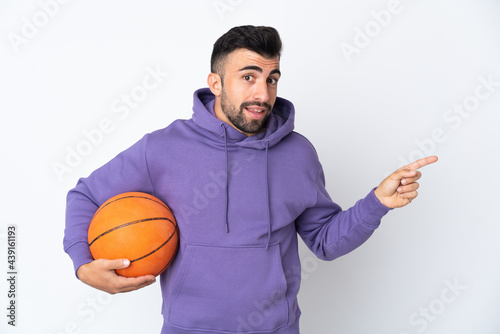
(398, 177)
(118, 264)
(393, 181)
(403, 172)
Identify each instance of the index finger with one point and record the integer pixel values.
(421, 163)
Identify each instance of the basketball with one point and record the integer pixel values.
(138, 227)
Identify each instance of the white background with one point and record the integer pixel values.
(366, 113)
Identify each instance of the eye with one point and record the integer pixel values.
(272, 81)
(248, 77)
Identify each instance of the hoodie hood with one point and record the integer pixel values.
(279, 124)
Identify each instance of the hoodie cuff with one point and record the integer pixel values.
(374, 209)
(80, 254)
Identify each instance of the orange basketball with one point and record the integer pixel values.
(138, 227)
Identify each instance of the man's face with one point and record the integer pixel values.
(249, 90)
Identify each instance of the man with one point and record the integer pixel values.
(242, 185)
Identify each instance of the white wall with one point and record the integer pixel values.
(367, 103)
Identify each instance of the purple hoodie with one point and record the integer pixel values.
(239, 202)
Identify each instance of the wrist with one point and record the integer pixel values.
(380, 197)
(80, 272)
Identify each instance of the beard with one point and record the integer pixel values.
(237, 117)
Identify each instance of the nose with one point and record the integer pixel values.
(261, 91)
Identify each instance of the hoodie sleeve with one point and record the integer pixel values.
(128, 171)
(330, 232)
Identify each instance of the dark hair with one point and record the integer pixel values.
(264, 41)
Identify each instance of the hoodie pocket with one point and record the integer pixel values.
(237, 289)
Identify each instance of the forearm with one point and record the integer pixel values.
(341, 232)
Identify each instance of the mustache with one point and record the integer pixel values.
(256, 103)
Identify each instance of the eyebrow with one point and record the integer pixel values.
(258, 69)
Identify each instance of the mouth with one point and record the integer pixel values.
(256, 112)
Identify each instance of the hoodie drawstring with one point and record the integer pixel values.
(267, 188)
(227, 178)
(267, 197)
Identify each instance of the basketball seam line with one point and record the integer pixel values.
(133, 196)
(170, 261)
(128, 224)
(159, 247)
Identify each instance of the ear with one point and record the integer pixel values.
(215, 83)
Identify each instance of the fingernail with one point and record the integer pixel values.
(126, 263)
(399, 190)
(403, 181)
(412, 172)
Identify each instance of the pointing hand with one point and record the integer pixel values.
(400, 188)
